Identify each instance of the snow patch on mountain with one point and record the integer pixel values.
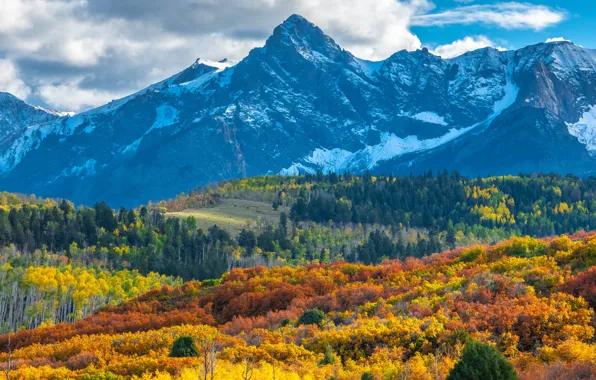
(391, 146)
(511, 90)
(297, 169)
(224, 76)
(166, 117)
(332, 159)
(55, 113)
(430, 117)
(219, 65)
(90, 128)
(585, 129)
(510, 93)
(329, 160)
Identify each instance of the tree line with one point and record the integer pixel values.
(333, 217)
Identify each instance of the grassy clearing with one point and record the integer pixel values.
(234, 214)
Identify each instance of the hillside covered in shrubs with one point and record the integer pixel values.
(531, 300)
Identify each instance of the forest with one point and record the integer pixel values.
(420, 215)
(329, 218)
(527, 304)
(361, 277)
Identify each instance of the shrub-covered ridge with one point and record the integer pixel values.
(531, 299)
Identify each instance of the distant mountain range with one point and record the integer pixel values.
(302, 103)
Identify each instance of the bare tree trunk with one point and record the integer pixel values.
(209, 348)
(248, 369)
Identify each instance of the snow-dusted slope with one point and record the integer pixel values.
(301, 103)
(585, 129)
(16, 115)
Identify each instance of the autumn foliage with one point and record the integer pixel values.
(532, 300)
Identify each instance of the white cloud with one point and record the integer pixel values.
(11, 82)
(70, 96)
(510, 15)
(556, 39)
(459, 47)
(52, 30)
(13, 15)
(66, 47)
(65, 31)
(83, 52)
(119, 47)
(368, 31)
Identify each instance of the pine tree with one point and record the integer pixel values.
(482, 362)
(451, 236)
(283, 224)
(329, 357)
(311, 317)
(184, 347)
(248, 240)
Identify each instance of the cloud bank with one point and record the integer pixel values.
(556, 39)
(10, 80)
(77, 54)
(504, 15)
(459, 47)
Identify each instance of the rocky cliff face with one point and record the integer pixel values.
(302, 103)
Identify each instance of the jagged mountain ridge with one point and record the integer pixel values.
(302, 103)
(16, 116)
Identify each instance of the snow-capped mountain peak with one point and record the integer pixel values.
(301, 103)
(16, 116)
(298, 35)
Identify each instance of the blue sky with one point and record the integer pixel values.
(578, 26)
(72, 55)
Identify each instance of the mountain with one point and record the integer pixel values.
(549, 127)
(16, 116)
(302, 103)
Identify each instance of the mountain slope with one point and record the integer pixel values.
(549, 128)
(16, 115)
(302, 103)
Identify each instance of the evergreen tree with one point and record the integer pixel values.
(248, 240)
(283, 224)
(311, 317)
(104, 216)
(482, 362)
(450, 238)
(329, 357)
(184, 347)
